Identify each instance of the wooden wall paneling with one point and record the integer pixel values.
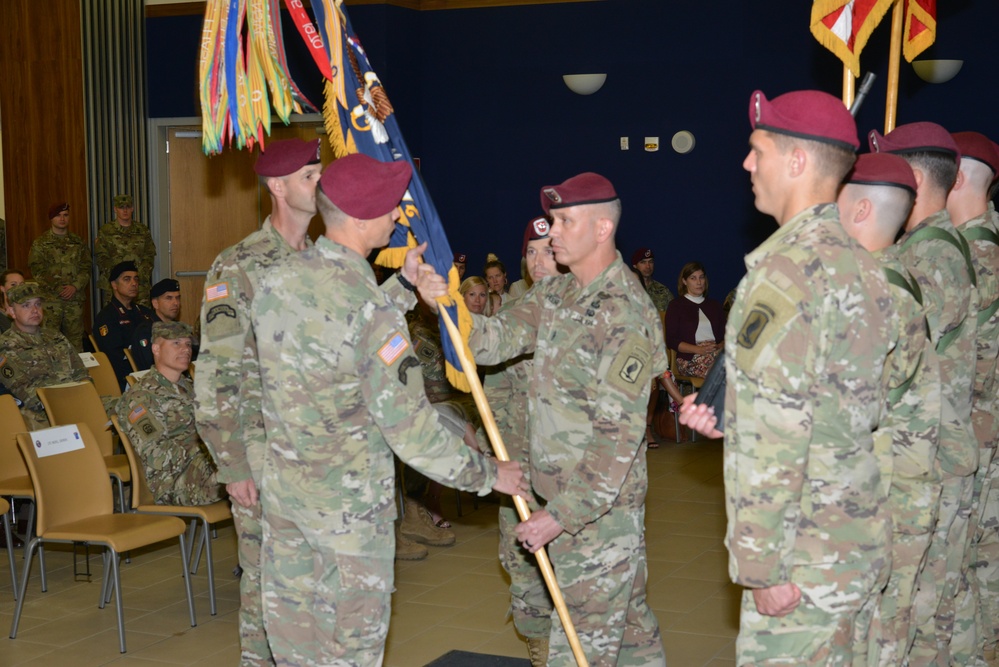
(44, 145)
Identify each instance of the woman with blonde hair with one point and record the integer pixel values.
(475, 291)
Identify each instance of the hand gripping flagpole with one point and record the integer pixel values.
(489, 422)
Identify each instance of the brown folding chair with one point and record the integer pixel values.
(105, 381)
(4, 509)
(14, 481)
(78, 403)
(144, 503)
(131, 359)
(93, 341)
(75, 505)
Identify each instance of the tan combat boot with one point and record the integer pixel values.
(990, 656)
(407, 549)
(537, 650)
(418, 525)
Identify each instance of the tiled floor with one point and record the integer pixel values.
(456, 599)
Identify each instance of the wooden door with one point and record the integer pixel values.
(215, 202)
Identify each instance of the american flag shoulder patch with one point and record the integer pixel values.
(136, 414)
(217, 291)
(393, 349)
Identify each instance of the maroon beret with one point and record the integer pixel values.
(537, 229)
(977, 146)
(640, 254)
(808, 114)
(56, 209)
(364, 188)
(922, 137)
(586, 188)
(882, 169)
(460, 257)
(286, 157)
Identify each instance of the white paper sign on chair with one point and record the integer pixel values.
(56, 440)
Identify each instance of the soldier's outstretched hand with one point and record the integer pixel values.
(243, 492)
(701, 418)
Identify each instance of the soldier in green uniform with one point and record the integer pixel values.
(644, 261)
(60, 262)
(597, 344)
(936, 255)
(8, 279)
(157, 413)
(506, 389)
(342, 391)
(968, 207)
(33, 357)
(874, 204)
(805, 346)
(124, 239)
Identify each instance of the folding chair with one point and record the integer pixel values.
(93, 342)
(78, 403)
(144, 503)
(14, 481)
(4, 509)
(682, 381)
(75, 505)
(131, 359)
(105, 381)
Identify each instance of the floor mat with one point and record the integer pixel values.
(466, 659)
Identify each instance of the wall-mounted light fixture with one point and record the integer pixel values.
(584, 84)
(937, 71)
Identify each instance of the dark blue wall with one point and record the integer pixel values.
(479, 97)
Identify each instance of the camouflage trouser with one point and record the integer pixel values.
(987, 565)
(908, 558)
(967, 643)
(603, 573)
(837, 623)
(65, 317)
(252, 641)
(938, 586)
(327, 595)
(530, 603)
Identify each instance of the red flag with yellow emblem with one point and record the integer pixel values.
(920, 27)
(844, 26)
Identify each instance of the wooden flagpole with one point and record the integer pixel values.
(849, 86)
(489, 422)
(894, 60)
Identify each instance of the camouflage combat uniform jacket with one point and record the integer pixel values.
(29, 361)
(158, 417)
(57, 260)
(115, 244)
(805, 345)
(660, 295)
(596, 350)
(951, 307)
(342, 391)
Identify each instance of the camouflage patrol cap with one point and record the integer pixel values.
(171, 330)
(164, 286)
(122, 201)
(640, 254)
(363, 187)
(585, 188)
(882, 169)
(921, 137)
(808, 114)
(281, 158)
(537, 229)
(58, 208)
(977, 146)
(120, 268)
(20, 293)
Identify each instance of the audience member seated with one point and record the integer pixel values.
(165, 297)
(475, 290)
(643, 261)
(157, 413)
(8, 279)
(695, 324)
(32, 357)
(460, 260)
(115, 325)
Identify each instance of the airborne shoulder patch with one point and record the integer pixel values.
(629, 371)
(772, 305)
(760, 315)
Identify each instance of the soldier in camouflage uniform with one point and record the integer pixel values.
(342, 390)
(8, 279)
(33, 357)
(157, 413)
(935, 254)
(967, 204)
(644, 261)
(121, 240)
(597, 344)
(987, 566)
(227, 384)
(506, 389)
(60, 262)
(874, 204)
(805, 345)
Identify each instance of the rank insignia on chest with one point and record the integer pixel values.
(759, 317)
(393, 349)
(104, 330)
